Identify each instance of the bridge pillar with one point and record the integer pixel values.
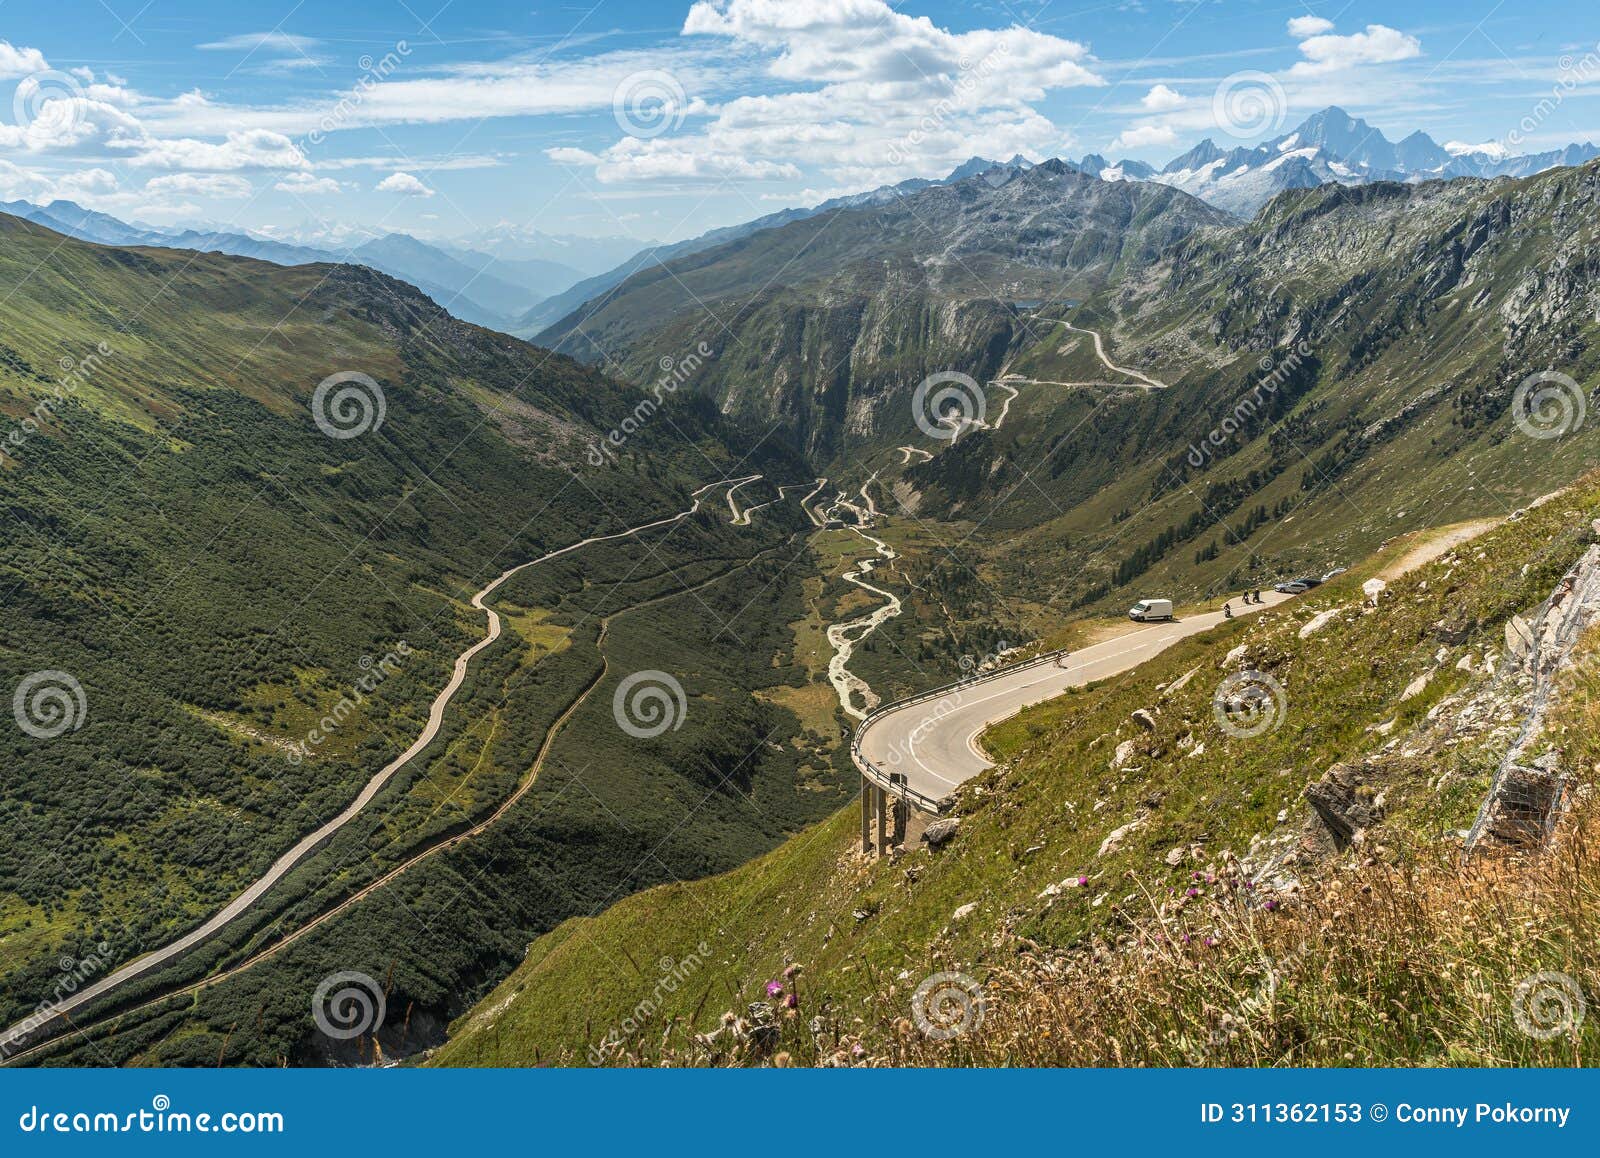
(867, 789)
(883, 823)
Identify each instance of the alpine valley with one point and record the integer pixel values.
(517, 675)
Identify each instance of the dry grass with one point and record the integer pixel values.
(1422, 964)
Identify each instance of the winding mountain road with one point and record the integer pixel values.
(1100, 350)
(933, 740)
(247, 899)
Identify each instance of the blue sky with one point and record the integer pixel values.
(660, 120)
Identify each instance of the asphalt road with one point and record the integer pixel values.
(935, 741)
(247, 900)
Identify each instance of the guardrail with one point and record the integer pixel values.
(881, 776)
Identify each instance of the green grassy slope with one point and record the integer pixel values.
(659, 968)
(216, 574)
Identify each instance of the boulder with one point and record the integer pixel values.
(939, 833)
(964, 911)
(1144, 719)
(1113, 841)
(1417, 686)
(1318, 621)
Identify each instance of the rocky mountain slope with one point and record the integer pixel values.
(1151, 877)
(1354, 363)
(599, 285)
(826, 324)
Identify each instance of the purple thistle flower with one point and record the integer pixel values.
(774, 988)
(791, 1002)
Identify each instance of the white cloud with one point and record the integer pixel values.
(17, 182)
(404, 184)
(249, 149)
(15, 62)
(1144, 136)
(87, 183)
(275, 51)
(566, 155)
(879, 96)
(307, 185)
(1379, 44)
(250, 41)
(199, 185)
(1162, 99)
(1301, 27)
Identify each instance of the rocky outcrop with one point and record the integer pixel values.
(1344, 803)
(1529, 789)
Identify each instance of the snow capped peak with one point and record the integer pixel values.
(1494, 150)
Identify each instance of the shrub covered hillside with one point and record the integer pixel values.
(201, 564)
(1280, 886)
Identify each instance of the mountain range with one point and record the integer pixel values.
(1172, 398)
(474, 285)
(1328, 147)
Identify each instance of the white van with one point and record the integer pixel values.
(1150, 610)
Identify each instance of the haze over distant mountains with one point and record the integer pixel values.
(519, 279)
(491, 286)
